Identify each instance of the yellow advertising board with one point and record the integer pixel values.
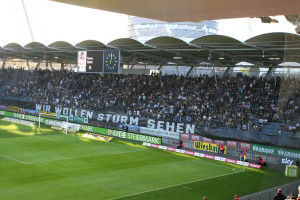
(48, 114)
(98, 137)
(13, 108)
(208, 147)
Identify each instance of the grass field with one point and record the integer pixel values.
(48, 164)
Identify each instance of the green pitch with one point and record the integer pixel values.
(48, 164)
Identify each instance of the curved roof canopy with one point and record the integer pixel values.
(264, 50)
(192, 10)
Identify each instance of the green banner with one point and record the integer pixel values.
(276, 151)
(134, 136)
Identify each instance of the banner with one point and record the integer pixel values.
(13, 108)
(28, 111)
(87, 128)
(220, 142)
(231, 161)
(134, 136)
(276, 151)
(232, 144)
(184, 136)
(97, 137)
(207, 140)
(246, 146)
(195, 137)
(208, 147)
(2, 107)
(115, 119)
(18, 121)
(160, 133)
(48, 114)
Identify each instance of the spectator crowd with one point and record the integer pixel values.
(237, 102)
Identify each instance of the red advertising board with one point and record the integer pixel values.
(220, 142)
(232, 144)
(190, 153)
(254, 166)
(155, 145)
(230, 161)
(246, 146)
(195, 138)
(207, 140)
(171, 149)
(209, 157)
(185, 136)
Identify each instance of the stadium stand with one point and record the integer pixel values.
(241, 102)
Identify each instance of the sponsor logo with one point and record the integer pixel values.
(161, 133)
(154, 145)
(185, 136)
(207, 140)
(162, 147)
(246, 146)
(254, 166)
(28, 111)
(209, 157)
(13, 108)
(231, 161)
(263, 149)
(86, 128)
(171, 149)
(189, 153)
(208, 147)
(195, 137)
(232, 144)
(287, 161)
(2, 107)
(97, 137)
(220, 142)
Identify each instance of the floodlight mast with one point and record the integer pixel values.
(53, 116)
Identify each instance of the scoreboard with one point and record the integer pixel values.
(99, 61)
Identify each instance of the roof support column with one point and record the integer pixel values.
(132, 66)
(62, 66)
(192, 69)
(3, 64)
(51, 66)
(226, 72)
(27, 65)
(160, 67)
(269, 73)
(36, 67)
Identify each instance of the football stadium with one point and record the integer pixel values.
(173, 111)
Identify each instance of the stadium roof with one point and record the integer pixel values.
(268, 50)
(192, 10)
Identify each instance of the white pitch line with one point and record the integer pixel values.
(13, 159)
(186, 187)
(175, 185)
